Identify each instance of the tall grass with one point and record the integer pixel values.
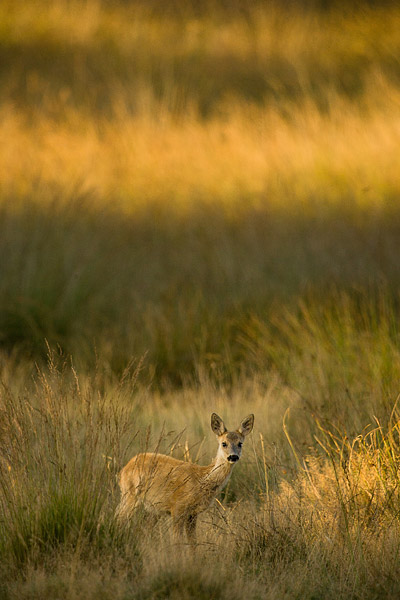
(299, 519)
(199, 205)
(60, 445)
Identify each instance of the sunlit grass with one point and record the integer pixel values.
(250, 157)
(189, 226)
(199, 212)
(315, 514)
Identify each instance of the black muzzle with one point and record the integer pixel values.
(233, 458)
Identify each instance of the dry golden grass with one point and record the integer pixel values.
(250, 157)
(294, 521)
(310, 136)
(214, 189)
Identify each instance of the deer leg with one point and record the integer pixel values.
(128, 503)
(178, 523)
(190, 527)
(123, 510)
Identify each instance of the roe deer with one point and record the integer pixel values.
(165, 485)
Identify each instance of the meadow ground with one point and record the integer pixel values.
(199, 211)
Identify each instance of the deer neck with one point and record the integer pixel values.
(218, 472)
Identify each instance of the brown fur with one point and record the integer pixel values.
(165, 485)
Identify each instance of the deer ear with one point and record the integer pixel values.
(246, 425)
(217, 424)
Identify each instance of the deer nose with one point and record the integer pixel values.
(233, 457)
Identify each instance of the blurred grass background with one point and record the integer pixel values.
(213, 188)
(170, 174)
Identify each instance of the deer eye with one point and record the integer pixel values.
(240, 444)
(224, 444)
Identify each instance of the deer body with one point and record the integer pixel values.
(165, 485)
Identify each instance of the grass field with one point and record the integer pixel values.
(199, 211)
